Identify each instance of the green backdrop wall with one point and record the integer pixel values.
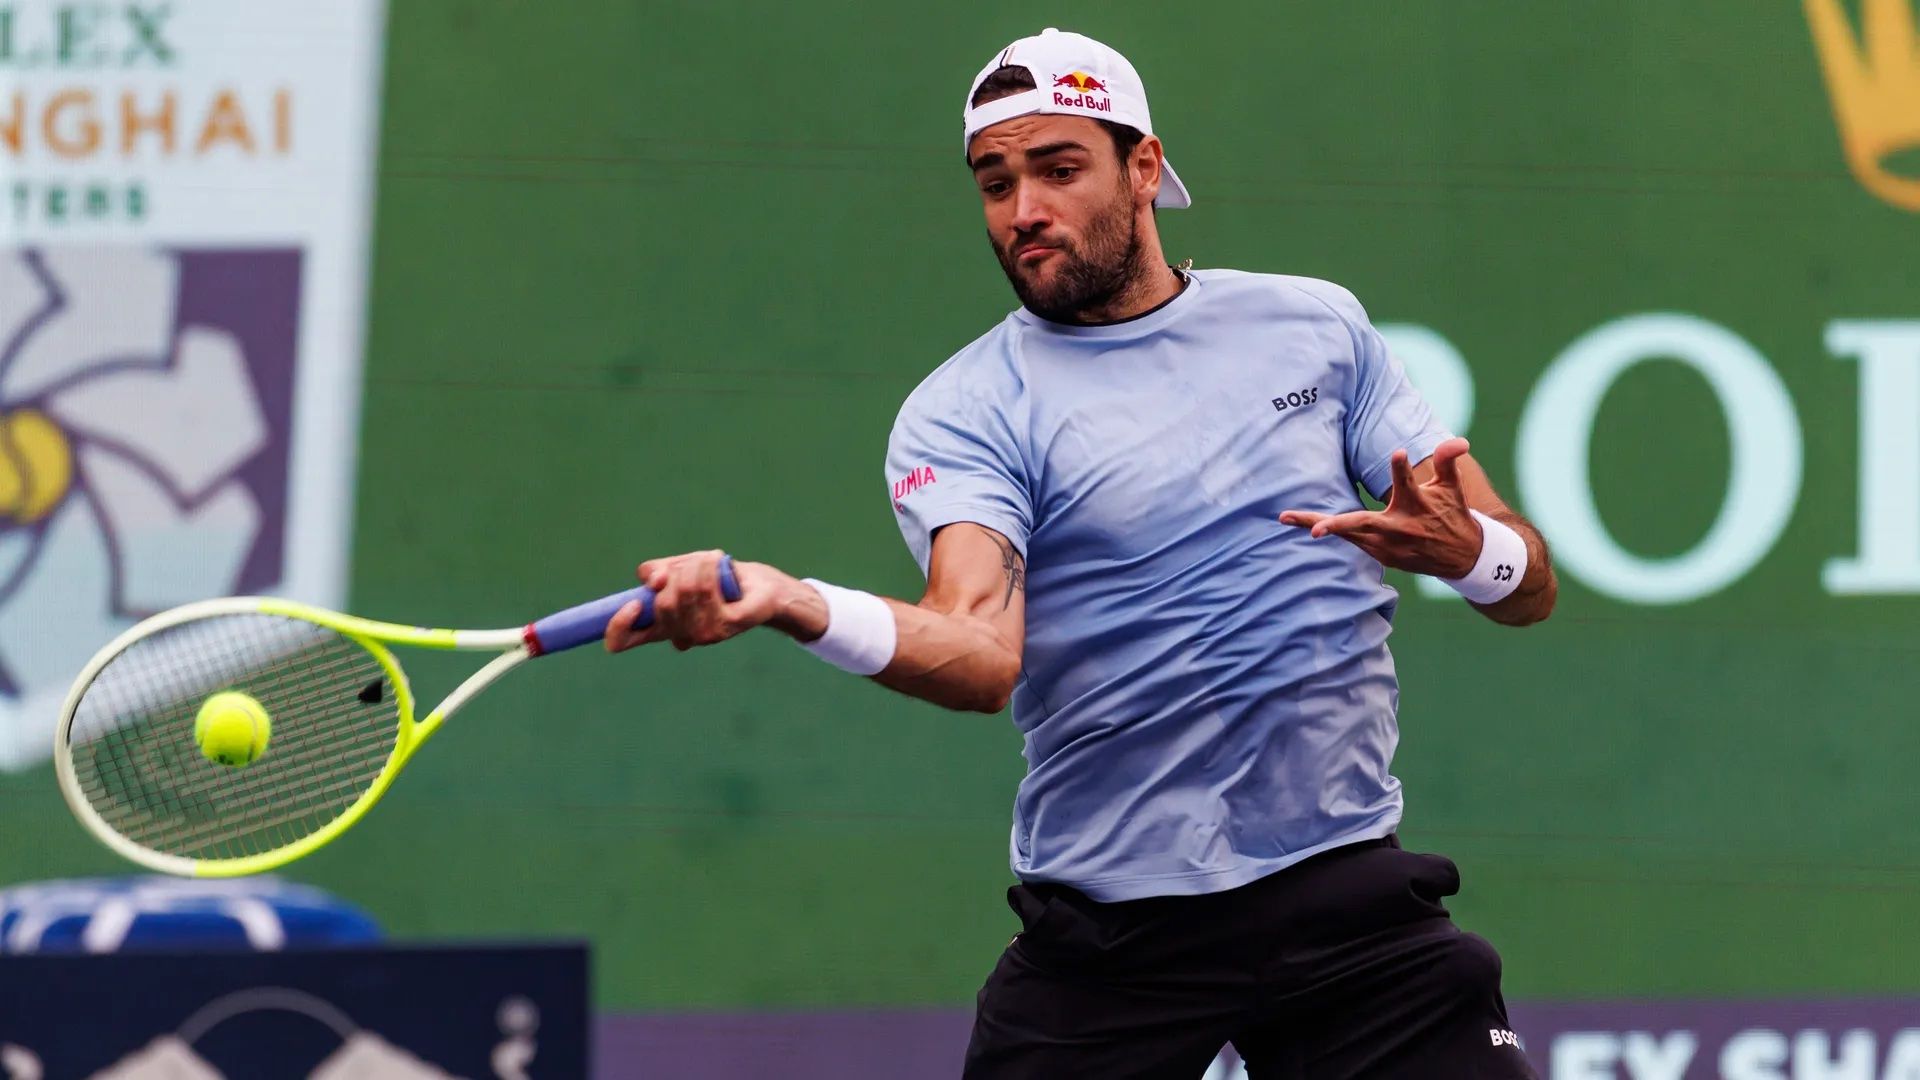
(650, 277)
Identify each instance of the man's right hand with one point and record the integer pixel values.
(959, 647)
(689, 609)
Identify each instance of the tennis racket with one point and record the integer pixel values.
(339, 711)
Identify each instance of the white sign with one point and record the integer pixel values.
(185, 202)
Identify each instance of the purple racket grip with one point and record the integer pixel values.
(584, 623)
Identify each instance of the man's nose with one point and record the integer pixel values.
(1030, 210)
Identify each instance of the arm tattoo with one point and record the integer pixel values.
(1010, 565)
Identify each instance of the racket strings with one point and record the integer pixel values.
(140, 766)
(160, 791)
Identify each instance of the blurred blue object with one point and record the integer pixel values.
(152, 913)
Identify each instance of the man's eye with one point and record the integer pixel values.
(1062, 172)
(995, 187)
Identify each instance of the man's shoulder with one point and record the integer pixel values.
(980, 373)
(1287, 292)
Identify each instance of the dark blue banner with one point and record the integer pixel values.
(510, 1012)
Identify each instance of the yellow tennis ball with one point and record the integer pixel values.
(36, 465)
(232, 729)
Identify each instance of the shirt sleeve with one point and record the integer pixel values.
(953, 457)
(1385, 412)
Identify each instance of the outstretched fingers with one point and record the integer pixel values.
(1406, 490)
(1446, 461)
(1319, 525)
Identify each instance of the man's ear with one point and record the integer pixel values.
(1144, 164)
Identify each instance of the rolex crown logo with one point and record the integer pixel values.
(1874, 81)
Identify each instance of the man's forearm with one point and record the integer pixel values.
(955, 659)
(1533, 600)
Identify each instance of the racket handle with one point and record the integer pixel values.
(584, 623)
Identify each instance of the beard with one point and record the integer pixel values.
(1087, 275)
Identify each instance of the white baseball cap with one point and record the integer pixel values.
(1073, 75)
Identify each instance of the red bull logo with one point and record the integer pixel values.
(1080, 80)
(1084, 86)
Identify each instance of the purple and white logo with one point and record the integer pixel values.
(146, 402)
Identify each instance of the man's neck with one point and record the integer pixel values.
(1157, 285)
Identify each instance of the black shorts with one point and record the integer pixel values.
(1345, 965)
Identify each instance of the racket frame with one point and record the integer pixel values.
(370, 634)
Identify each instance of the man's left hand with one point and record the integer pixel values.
(1426, 528)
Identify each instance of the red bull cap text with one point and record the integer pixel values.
(1087, 86)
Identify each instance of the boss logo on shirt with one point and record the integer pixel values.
(1297, 399)
(911, 483)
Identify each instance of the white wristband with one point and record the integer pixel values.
(860, 633)
(1503, 562)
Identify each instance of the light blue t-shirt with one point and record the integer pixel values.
(1206, 694)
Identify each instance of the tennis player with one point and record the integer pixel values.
(1134, 501)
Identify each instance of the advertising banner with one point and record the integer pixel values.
(401, 1013)
(185, 202)
(1864, 1039)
